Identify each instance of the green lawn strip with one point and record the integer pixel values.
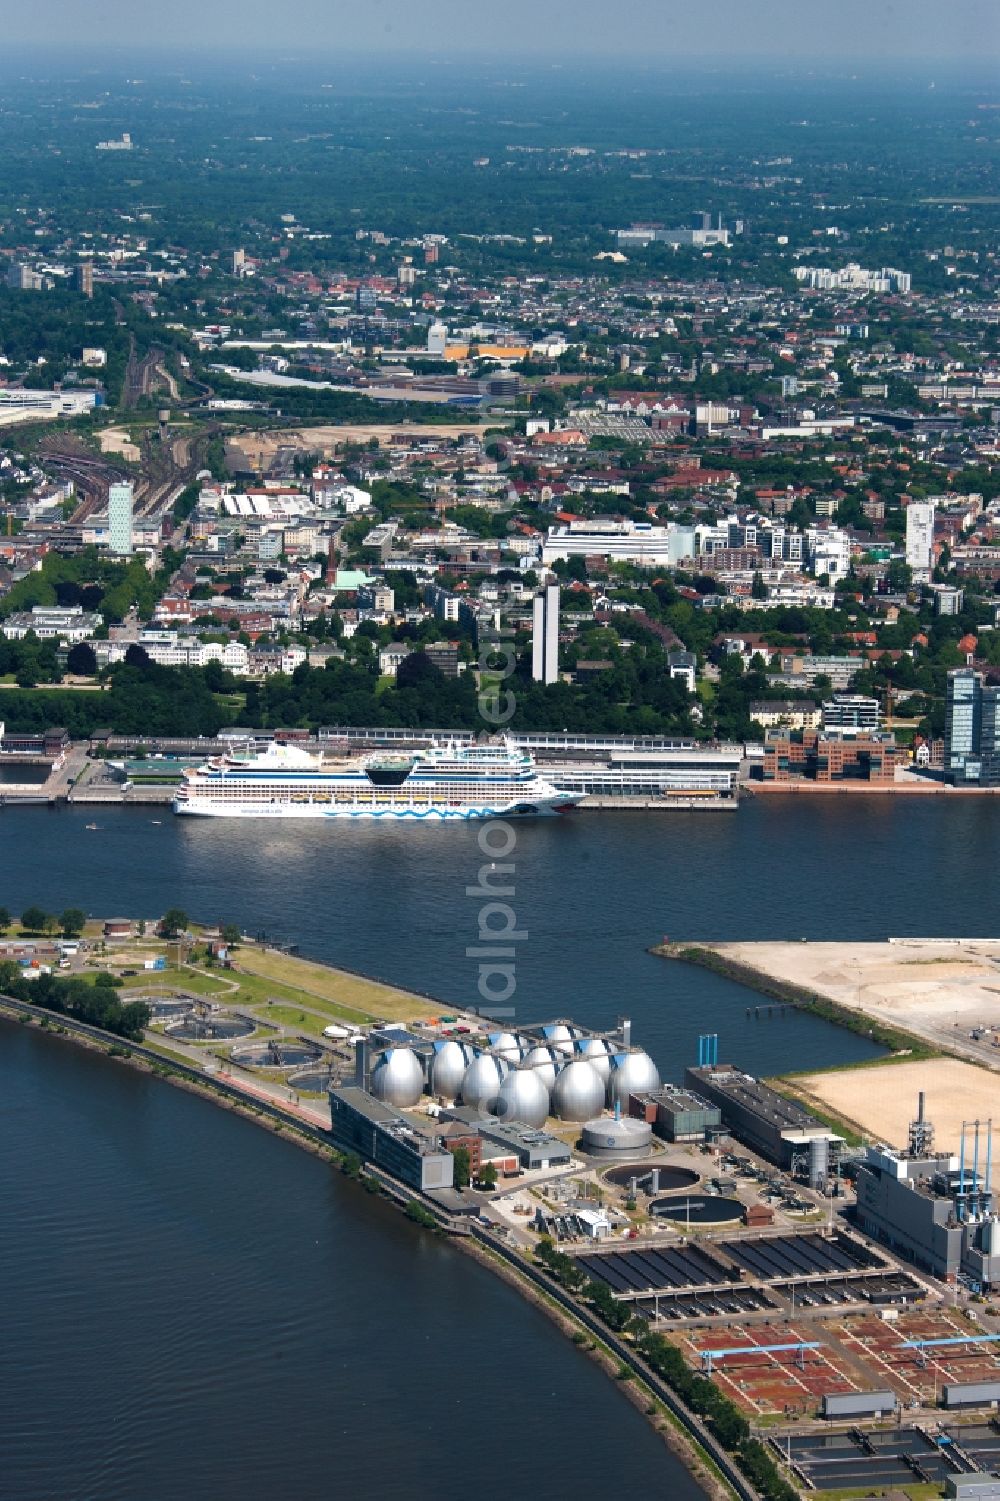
(350, 996)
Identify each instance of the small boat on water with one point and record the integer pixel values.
(93, 826)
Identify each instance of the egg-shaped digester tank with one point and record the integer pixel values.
(398, 1078)
(543, 1061)
(594, 1050)
(560, 1038)
(448, 1065)
(631, 1073)
(507, 1046)
(523, 1097)
(579, 1092)
(482, 1080)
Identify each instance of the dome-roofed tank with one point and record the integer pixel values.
(397, 1078)
(482, 1080)
(506, 1045)
(579, 1092)
(631, 1073)
(448, 1067)
(523, 1097)
(595, 1051)
(560, 1038)
(543, 1061)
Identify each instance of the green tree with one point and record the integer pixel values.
(72, 922)
(5, 919)
(462, 1167)
(34, 919)
(81, 660)
(173, 922)
(488, 1175)
(231, 933)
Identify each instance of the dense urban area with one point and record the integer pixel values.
(310, 471)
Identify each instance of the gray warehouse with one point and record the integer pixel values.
(859, 1404)
(762, 1119)
(676, 1114)
(971, 1393)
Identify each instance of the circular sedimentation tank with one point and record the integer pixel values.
(162, 1009)
(691, 1209)
(312, 1080)
(606, 1137)
(578, 1093)
(672, 1179)
(211, 1028)
(275, 1054)
(631, 1073)
(397, 1078)
(523, 1097)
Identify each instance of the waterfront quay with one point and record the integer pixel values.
(652, 773)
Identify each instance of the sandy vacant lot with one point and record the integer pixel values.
(117, 440)
(940, 988)
(882, 1101)
(261, 447)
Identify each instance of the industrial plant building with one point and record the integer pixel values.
(676, 1114)
(935, 1210)
(765, 1121)
(377, 1133)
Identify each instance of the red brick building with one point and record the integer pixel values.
(830, 756)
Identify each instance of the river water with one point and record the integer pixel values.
(194, 1308)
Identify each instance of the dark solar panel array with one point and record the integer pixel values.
(641, 1271)
(800, 1256)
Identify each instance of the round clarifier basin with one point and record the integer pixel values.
(671, 1178)
(689, 1210)
(162, 1010)
(211, 1029)
(312, 1080)
(275, 1055)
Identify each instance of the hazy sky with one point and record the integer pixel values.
(878, 30)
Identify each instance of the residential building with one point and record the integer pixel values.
(545, 636)
(120, 509)
(53, 623)
(851, 711)
(919, 537)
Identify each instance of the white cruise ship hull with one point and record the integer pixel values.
(523, 808)
(443, 784)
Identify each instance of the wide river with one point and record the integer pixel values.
(194, 1308)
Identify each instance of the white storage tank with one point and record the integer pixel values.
(618, 1139)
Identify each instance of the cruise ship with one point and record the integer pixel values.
(450, 781)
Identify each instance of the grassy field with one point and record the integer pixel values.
(350, 996)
